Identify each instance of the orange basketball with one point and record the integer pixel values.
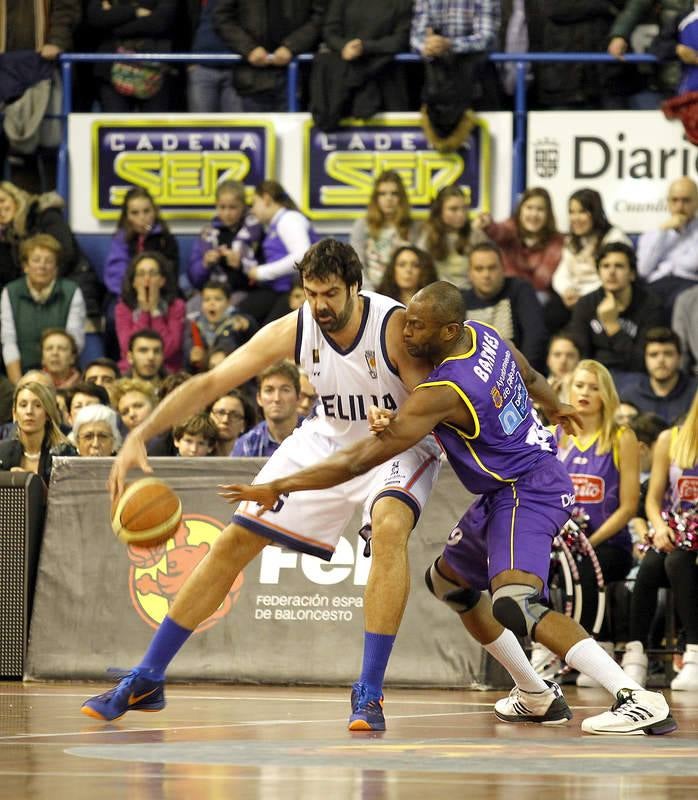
(147, 513)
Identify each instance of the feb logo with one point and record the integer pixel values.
(179, 161)
(158, 573)
(343, 165)
(588, 488)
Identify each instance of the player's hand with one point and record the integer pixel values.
(379, 419)
(132, 454)
(565, 415)
(264, 494)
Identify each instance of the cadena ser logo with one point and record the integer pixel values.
(158, 573)
(179, 161)
(342, 166)
(588, 488)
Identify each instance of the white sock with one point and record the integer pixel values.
(507, 650)
(591, 659)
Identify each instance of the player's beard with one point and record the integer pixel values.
(336, 322)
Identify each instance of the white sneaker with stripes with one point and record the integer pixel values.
(546, 708)
(634, 713)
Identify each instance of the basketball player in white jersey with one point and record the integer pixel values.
(350, 343)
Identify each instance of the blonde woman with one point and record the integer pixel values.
(603, 462)
(673, 487)
(387, 225)
(38, 434)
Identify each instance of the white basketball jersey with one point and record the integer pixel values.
(348, 381)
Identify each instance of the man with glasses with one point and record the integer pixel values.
(231, 415)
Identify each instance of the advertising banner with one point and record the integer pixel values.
(180, 158)
(342, 166)
(179, 161)
(629, 157)
(288, 618)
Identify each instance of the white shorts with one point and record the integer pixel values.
(312, 522)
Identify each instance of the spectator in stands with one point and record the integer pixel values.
(228, 246)
(576, 274)
(218, 324)
(146, 356)
(232, 415)
(209, 85)
(267, 36)
(84, 394)
(684, 321)
(149, 301)
(59, 352)
(530, 242)
(672, 488)
(146, 26)
(569, 26)
(140, 228)
(6, 392)
(603, 462)
(23, 215)
(448, 236)
(102, 371)
(356, 76)
(216, 356)
(278, 395)
(610, 323)
(164, 445)
(668, 257)
(37, 301)
(453, 38)
(96, 431)
(508, 304)
(387, 225)
(195, 437)
(410, 269)
(562, 360)
(626, 413)
(665, 389)
(38, 434)
(307, 396)
(134, 399)
(288, 235)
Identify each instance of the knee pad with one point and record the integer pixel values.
(518, 608)
(459, 598)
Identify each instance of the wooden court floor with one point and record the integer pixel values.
(216, 742)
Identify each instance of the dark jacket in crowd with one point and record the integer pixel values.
(572, 26)
(21, 28)
(11, 456)
(624, 351)
(246, 24)
(517, 314)
(669, 408)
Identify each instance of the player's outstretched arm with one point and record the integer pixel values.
(271, 344)
(417, 417)
(540, 390)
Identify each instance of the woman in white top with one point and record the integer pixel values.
(576, 274)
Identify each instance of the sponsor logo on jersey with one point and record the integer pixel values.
(588, 488)
(497, 398)
(580, 460)
(370, 356)
(688, 488)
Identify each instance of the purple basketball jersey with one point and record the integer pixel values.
(682, 492)
(509, 440)
(596, 481)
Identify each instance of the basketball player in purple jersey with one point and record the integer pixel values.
(477, 402)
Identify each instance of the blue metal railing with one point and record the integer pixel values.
(518, 180)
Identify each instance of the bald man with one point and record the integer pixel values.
(668, 257)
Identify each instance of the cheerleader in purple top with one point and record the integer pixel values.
(603, 462)
(671, 561)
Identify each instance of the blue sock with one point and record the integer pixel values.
(163, 647)
(377, 649)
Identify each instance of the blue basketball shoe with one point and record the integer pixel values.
(136, 691)
(366, 711)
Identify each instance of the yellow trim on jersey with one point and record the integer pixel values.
(583, 448)
(463, 396)
(511, 529)
(476, 458)
(473, 347)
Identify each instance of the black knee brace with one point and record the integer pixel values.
(459, 598)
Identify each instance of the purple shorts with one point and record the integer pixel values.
(512, 528)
